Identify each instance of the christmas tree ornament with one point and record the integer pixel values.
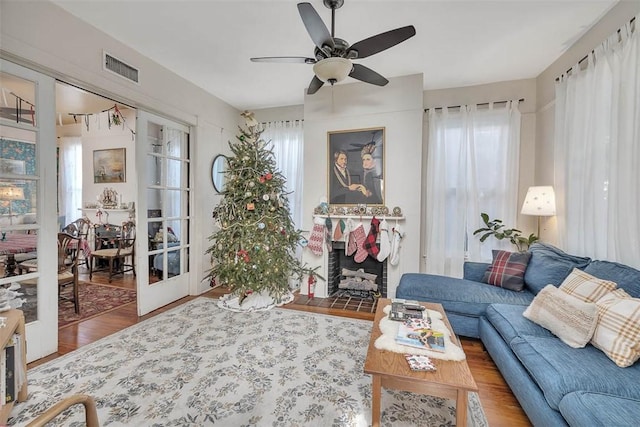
(268, 176)
(251, 206)
(261, 225)
(265, 197)
(248, 194)
(252, 184)
(262, 179)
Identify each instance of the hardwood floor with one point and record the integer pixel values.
(500, 406)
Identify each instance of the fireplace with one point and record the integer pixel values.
(339, 260)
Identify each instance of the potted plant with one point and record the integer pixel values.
(496, 229)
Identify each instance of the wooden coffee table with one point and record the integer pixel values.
(451, 380)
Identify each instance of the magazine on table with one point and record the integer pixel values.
(419, 362)
(418, 333)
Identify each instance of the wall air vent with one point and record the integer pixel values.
(120, 68)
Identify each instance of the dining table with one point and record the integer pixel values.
(16, 243)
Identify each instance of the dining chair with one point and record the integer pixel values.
(68, 267)
(123, 247)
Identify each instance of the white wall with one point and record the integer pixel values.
(44, 37)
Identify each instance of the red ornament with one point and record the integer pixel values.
(269, 176)
(262, 179)
(244, 255)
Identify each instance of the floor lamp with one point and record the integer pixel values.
(10, 194)
(540, 201)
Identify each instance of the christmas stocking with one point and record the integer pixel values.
(351, 246)
(385, 243)
(370, 242)
(398, 234)
(316, 239)
(339, 233)
(328, 225)
(359, 236)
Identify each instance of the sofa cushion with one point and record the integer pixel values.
(586, 287)
(626, 277)
(567, 317)
(508, 320)
(457, 295)
(475, 270)
(550, 266)
(559, 369)
(598, 409)
(507, 270)
(618, 331)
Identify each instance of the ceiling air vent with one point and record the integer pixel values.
(120, 68)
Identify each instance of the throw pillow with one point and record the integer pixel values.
(568, 318)
(617, 333)
(507, 270)
(585, 286)
(550, 265)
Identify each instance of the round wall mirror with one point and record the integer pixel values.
(218, 167)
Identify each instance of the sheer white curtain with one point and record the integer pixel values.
(597, 149)
(70, 182)
(472, 167)
(287, 139)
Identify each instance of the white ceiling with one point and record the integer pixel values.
(458, 43)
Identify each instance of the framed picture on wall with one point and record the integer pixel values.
(356, 166)
(109, 165)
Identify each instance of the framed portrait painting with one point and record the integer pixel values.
(109, 165)
(356, 167)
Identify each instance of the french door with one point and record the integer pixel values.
(164, 195)
(27, 221)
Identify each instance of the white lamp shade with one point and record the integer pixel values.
(332, 70)
(540, 201)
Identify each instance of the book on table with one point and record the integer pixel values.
(418, 333)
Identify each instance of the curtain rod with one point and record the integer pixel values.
(481, 104)
(584, 58)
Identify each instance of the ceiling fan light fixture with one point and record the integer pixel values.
(332, 70)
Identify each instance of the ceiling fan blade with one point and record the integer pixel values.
(315, 27)
(367, 75)
(288, 59)
(382, 41)
(315, 85)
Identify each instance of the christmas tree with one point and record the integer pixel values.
(253, 249)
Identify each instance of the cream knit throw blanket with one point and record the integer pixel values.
(389, 329)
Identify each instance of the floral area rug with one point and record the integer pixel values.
(94, 300)
(198, 365)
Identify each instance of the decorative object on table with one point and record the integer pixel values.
(109, 165)
(496, 229)
(356, 166)
(253, 247)
(317, 353)
(539, 201)
(108, 199)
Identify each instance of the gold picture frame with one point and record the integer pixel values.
(109, 165)
(356, 163)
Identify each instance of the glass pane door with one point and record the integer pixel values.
(27, 230)
(164, 198)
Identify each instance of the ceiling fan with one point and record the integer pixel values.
(333, 56)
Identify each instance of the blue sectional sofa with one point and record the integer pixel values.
(556, 385)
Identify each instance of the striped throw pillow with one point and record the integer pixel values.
(507, 270)
(586, 287)
(617, 333)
